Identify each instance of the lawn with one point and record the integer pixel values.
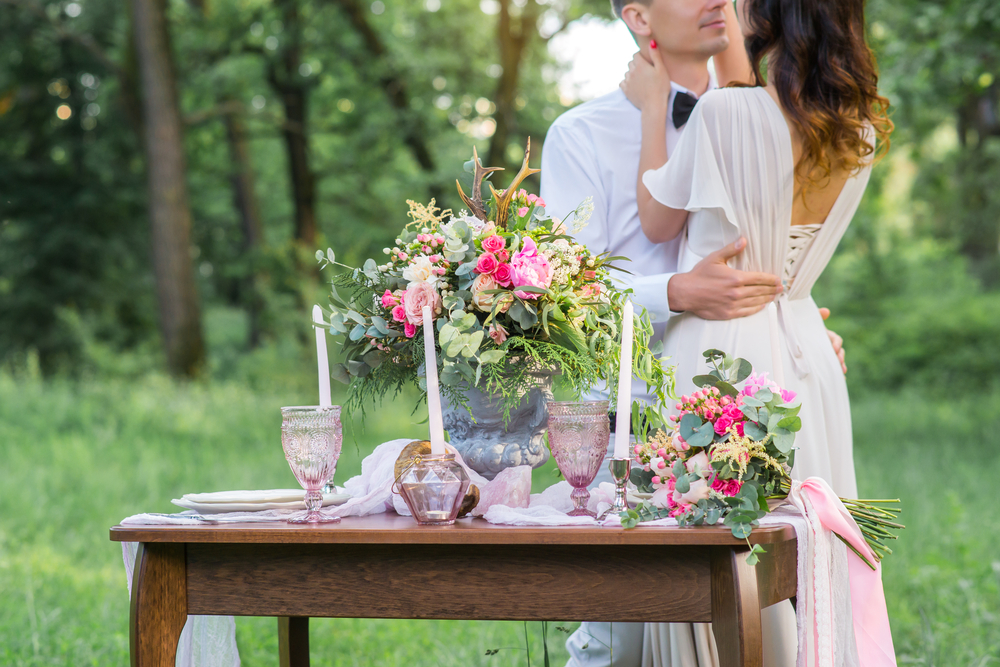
(79, 456)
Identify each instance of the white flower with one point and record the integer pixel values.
(699, 464)
(420, 270)
(582, 214)
(699, 490)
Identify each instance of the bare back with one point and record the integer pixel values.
(815, 206)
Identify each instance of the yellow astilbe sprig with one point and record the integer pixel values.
(426, 215)
(739, 449)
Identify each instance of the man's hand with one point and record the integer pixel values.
(835, 340)
(713, 290)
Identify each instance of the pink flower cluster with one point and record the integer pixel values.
(493, 261)
(526, 199)
(530, 268)
(711, 405)
(755, 383)
(407, 306)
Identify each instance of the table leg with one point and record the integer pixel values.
(159, 604)
(736, 609)
(293, 641)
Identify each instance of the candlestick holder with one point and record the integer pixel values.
(620, 470)
(433, 487)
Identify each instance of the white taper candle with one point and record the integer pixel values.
(322, 360)
(433, 388)
(624, 412)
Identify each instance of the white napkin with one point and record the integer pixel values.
(266, 496)
(252, 501)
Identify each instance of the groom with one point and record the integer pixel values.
(593, 151)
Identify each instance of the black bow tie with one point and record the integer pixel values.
(683, 106)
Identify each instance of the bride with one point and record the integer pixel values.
(783, 164)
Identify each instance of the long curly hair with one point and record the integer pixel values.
(815, 52)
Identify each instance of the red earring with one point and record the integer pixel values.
(652, 43)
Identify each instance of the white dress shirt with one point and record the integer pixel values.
(592, 150)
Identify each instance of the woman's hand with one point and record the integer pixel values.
(647, 84)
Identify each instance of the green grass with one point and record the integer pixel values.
(78, 457)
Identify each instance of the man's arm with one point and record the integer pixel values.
(713, 290)
(733, 65)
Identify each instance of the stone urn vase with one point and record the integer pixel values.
(486, 444)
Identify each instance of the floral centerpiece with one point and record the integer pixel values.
(729, 451)
(510, 289)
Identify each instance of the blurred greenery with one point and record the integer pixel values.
(395, 94)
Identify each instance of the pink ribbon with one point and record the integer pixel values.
(868, 611)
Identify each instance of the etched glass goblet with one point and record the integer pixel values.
(579, 432)
(312, 438)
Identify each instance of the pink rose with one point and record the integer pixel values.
(416, 297)
(504, 274)
(388, 300)
(787, 395)
(494, 243)
(487, 263)
(531, 269)
(523, 211)
(739, 429)
(503, 255)
(540, 202)
(497, 333)
(727, 487)
(590, 275)
(732, 411)
(410, 330)
(399, 313)
(723, 423)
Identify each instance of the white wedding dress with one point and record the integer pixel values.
(733, 170)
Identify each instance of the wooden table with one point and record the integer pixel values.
(386, 566)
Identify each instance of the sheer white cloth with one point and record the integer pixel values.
(733, 170)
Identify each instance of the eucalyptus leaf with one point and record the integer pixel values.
(357, 317)
(491, 356)
(339, 373)
(727, 389)
(753, 431)
(689, 423)
(743, 370)
(358, 332)
(793, 423)
(682, 485)
(741, 531)
(702, 436)
(783, 440)
(749, 412)
(704, 380)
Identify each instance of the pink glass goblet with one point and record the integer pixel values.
(579, 432)
(311, 437)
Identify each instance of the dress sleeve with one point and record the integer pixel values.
(694, 176)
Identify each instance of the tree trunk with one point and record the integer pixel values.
(513, 34)
(393, 83)
(169, 211)
(245, 201)
(287, 82)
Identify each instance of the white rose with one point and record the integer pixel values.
(699, 464)
(420, 270)
(699, 490)
(483, 282)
